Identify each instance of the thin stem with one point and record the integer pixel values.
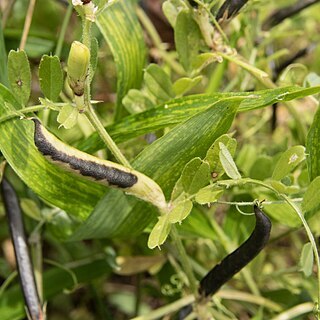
(310, 236)
(6, 12)
(184, 261)
(7, 282)
(27, 24)
(295, 312)
(161, 52)
(94, 120)
(213, 19)
(251, 203)
(21, 112)
(63, 30)
(167, 309)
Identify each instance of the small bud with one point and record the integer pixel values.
(78, 64)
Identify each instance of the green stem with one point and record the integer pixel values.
(7, 282)
(184, 260)
(22, 112)
(310, 236)
(206, 7)
(94, 120)
(162, 53)
(63, 30)
(167, 309)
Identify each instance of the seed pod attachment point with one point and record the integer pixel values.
(78, 65)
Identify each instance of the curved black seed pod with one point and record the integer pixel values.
(102, 171)
(286, 12)
(24, 265)
(230, 8)
(239, 258)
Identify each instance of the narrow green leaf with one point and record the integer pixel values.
(227, 162)
(180, 211)
(311, 199)
(187, 37)
(183, 85)
(306, 259)
(160, 232)
(288, 161)
(68, 116)
(313, 147)
(51, 77)
(178, 110)
(120, 27)
(158, 83)
(19, 75)
(208, 194)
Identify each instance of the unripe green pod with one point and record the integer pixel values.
(78, 65)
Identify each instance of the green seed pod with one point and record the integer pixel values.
(78, 64)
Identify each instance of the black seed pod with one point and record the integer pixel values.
(24, 265)
(239, 258)
(230, 8)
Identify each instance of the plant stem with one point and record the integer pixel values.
(167, 309)
(310, 236)
(162, 53)
(27, 24)
(63, 30)
(184, 260)
(21, 112)
(94, 120)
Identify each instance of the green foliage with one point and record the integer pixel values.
(288, 161)
(187, 38)
(19, 75)
(312, 147)
(51, 77)
(120, 28)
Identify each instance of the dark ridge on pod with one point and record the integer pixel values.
(113, 176)
(230, 8)
(239, 258)
(26, 275)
